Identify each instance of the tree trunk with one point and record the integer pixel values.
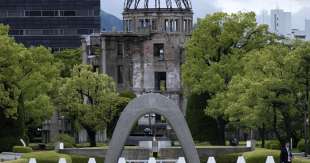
(221, 124)
(92, 137)
(21, 117)
(290, 132)
(262, 135)
(275, 128)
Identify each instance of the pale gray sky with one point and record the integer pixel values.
(299, 8)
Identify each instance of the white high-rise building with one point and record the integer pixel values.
(281, 22)
(307, 29)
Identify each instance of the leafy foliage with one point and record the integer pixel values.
(203, 127)
(66, 139)
(27, 77)
(255, 79)
(69, 58)
(90, 98)
(213, 56)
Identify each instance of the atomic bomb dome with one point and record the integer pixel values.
(158, 16)
(146, 57)
(158, 4)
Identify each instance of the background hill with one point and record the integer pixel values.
(108, 21)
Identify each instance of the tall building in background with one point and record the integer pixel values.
(307, 29)
(281, 22)
(57, 24)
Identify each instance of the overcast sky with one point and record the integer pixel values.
(299, 8)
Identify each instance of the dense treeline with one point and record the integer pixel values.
(35, 83)
(254, 78)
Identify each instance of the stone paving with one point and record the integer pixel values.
(7, 156)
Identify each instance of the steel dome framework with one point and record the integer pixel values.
(158, 4)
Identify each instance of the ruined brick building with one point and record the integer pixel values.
(147, 56)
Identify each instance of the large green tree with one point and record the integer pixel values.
(90, 98)
(213, 54)
(27, 77)
(264, 93)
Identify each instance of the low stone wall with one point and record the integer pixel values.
(136, 153)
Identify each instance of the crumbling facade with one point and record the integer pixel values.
(148, 55)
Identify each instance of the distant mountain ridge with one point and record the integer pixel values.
(108, 21)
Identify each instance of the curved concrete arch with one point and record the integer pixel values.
(151, 103)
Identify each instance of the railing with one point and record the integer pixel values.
(241, 159)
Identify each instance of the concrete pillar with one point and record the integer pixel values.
(241, 159)
(103, 58)
(152, 160)
(181, 160)
(92, 160)
(121, 160)
(270, 159)
(62, 160)
(84, 51)
(211, 160)
(32, 160)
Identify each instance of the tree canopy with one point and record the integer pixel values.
(90, 98)
(255, 79)
(27, 77)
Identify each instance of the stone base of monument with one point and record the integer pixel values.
(148, 144)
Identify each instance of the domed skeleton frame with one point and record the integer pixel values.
(158, 4)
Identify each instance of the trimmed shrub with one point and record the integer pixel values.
(47, 157)
(257, 156)
(67, 140)
(301, 160)
(34, 146)
(301, 145)
(260, 155)
(84, 159)
(22, 149)
(273, 144)
(230, 158)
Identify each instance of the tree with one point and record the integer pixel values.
(27, 76)
(203, 127)
(213, 54)
(90, 98)
(69, 58)
(265, 93)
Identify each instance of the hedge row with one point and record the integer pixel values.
(22, 149)
(257, 156)
(53, 157)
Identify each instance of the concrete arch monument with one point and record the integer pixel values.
(151, 103)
